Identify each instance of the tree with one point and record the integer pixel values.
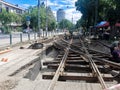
(33, 13)
(51, 19)
(108, 10)
(65, 24)
(81, 23)
(6, 18)
(87, 8)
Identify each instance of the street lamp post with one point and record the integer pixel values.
(63, 25)
(46, 19)
(39, 31)
(72, 18)
(72, 22)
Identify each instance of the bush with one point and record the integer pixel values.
(6, 29)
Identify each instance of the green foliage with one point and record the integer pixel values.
(87, 8)
(107, 10)
(6, 18)
(33, 13)
(65, 24)
(51, 19)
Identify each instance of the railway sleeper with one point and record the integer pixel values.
(78, 62)
(76, 76)
(78, 68)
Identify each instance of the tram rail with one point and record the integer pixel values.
(74, 59)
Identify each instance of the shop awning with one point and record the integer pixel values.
(117, 24)
(102, 24)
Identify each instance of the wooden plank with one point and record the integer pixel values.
(75, 76)
(77, 68)
(70, 62)
(69, 66)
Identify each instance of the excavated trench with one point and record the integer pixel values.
(49, 54)
(32, 69)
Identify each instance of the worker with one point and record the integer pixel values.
(65, 35)
(71, 33)
(116, 53)
(113, 45)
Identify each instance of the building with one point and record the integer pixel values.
(13, 9)
(60, 15)
(10, 7)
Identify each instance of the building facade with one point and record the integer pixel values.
(10, 7)
(60, 15)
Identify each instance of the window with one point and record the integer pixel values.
(0, 10)
(7, 9)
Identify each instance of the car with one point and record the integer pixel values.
(27, 30)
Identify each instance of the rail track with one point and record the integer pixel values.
(78, 62)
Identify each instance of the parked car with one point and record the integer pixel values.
(0, 31)
(27, 30)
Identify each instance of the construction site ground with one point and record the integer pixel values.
(14, 60)
(23, 61)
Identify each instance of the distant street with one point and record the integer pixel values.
(5, 38)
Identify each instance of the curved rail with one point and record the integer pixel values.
(94, 67)
(86, 55)
(60, 69)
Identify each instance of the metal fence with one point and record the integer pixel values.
(14, 38)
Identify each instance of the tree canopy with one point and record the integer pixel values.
(106, 10)
(6, 18)
(33, 14)
(65, 24)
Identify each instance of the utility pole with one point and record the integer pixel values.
(72, 19)
(39, 31)
(96, 12)
(72, 22)
(63, 24)
(46, 19)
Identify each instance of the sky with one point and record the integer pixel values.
(67, 5)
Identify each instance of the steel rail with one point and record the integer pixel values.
(94, 67)
(80, 47)
(113, 64)
(61, 67)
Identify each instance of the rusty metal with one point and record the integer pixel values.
(94, 67)
(101, 60)
(79, 59)
(60, 68)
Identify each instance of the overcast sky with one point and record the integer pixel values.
(67, 5)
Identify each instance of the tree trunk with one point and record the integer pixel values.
(112, 32)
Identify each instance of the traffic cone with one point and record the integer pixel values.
(4, 59)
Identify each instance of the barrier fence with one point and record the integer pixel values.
(14, 38)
